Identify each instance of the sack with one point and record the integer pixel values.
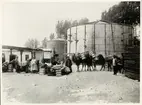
(67, 69)
(56, 67)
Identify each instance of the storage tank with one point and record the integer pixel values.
(100, 37)
(58, 45)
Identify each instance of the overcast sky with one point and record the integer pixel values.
(37, 20)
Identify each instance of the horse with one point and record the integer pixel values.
(88, 60)
(109, 62)
(93, 60)
(76, 58)
(100, 61)
(83, 61)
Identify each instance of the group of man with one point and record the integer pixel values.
(66, 66)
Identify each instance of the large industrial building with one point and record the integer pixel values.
(100, 37)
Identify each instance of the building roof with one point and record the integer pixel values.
(57, 39)
(102, 21)
(19, 48)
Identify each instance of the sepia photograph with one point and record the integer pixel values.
(70, 52)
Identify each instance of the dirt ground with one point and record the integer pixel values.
(78, 87)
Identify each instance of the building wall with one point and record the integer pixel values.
(99, 38)
(7, 54)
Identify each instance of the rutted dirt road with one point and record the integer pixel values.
(95, 86)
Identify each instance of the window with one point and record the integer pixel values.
(26, 57)
(3, 57)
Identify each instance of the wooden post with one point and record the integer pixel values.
(65, 47)
(105, 39)
(10, 51)
(31, 54)
(34, 55)
(113, 38)
(94, 41)
(76, 40)
(21, 52)
(70, 42)
(122, 35)
(85, 38)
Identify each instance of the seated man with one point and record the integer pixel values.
(55, 59)
(54, 63)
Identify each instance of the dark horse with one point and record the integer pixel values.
(76, 58)
(100, 61)
(109, 62)
(88, 60)
(83, 61)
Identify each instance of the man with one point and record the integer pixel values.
(55, 60)
(119, 64)
(34, 68)
(109, 62)
(68, 63)
(54, 64)
(17, 65)
(28, 65)
(114, 63)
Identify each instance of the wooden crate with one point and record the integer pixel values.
(58, 73)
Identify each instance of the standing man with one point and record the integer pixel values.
(17, 65)
(68, 63)
(114, 63)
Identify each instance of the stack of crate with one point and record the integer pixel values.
(42, 71)
(58, 72)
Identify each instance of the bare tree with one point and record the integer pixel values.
(74, 23)
(61, 28)
(83, 21)
(44, 42)
(52, 36)
(32, 43)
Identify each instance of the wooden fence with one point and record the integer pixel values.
(131, 62)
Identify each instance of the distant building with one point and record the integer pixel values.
(23, 53)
